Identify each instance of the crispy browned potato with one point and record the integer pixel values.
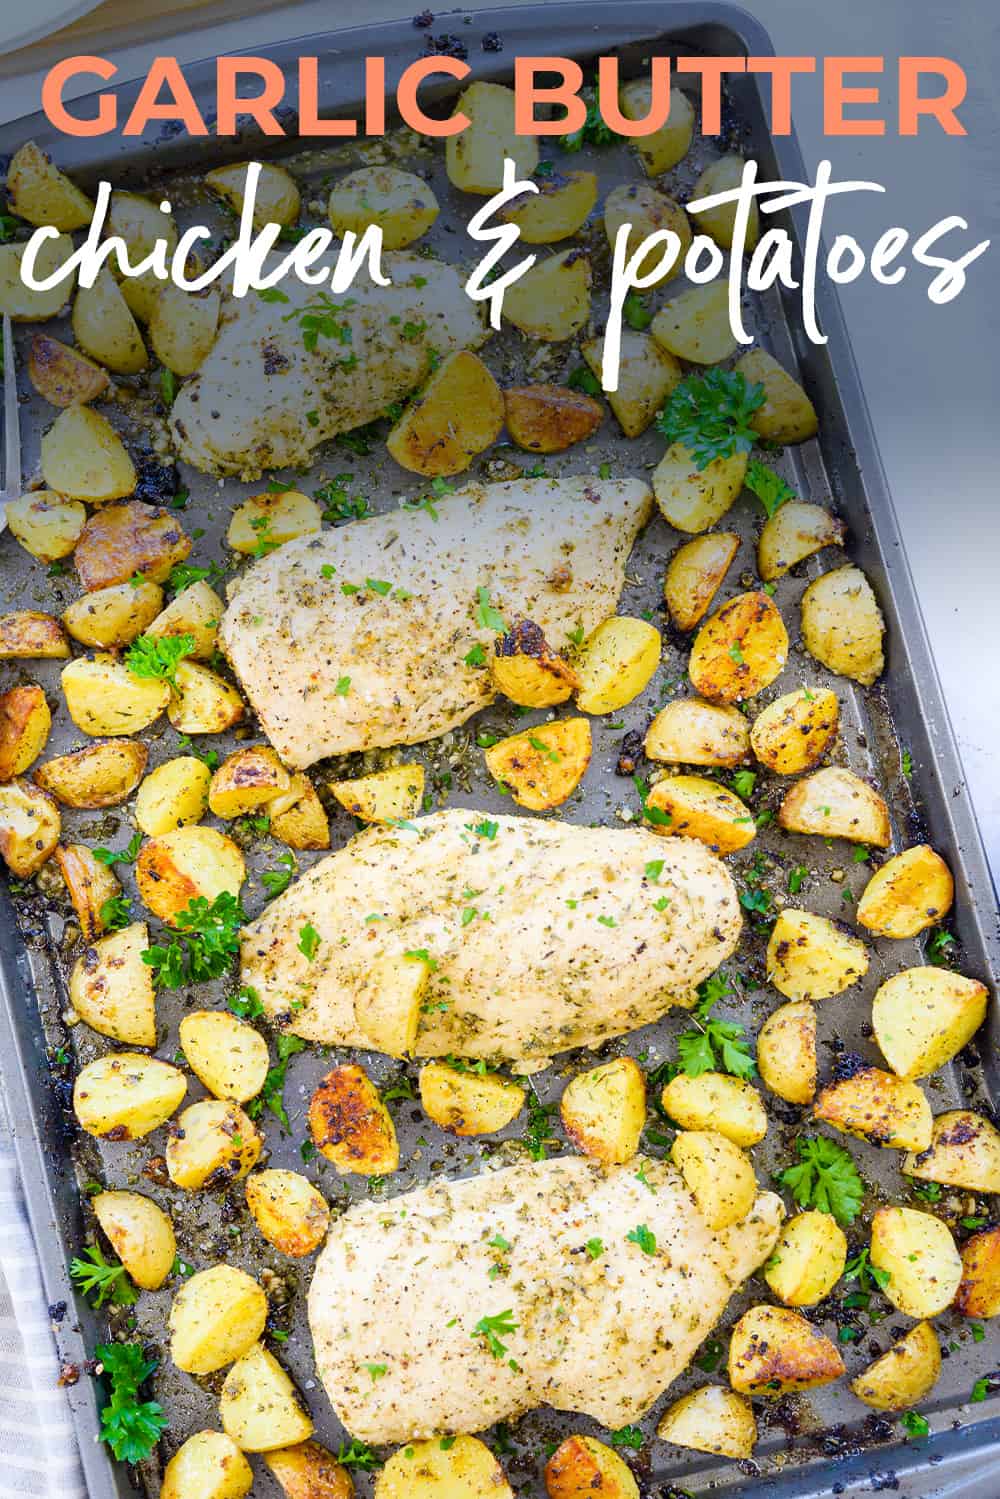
(90, 884)
(297, 816)
(812, 957)
(389, 795)
(714, 1101)
(550, 418)
(646, 376)
(911, 891)
(690, 732)
(694, 576)
(903, 1375)
(835, 803)
(25, 722)
(559, 208)
(808, 1259)
(696, 807)
(456, 415)
(204, 702)
(603, 1111)
(141, 1235)
(978, 1294)
(787, 414)
(712, 1419)
(308, 1471)
(30, 633)
(919, 1253)
(740, 650)
(775, 1351)
(964, 1152)
(874, 1105)
(794, 732)
(122, 540)
(786, 1052)
(583, 1466)
(111, 988)
(526, 669)
(542, 767)
(177, 867)
(468, 1103)
(351, 1126)
(45, 524)
(246, 780)
(29, 827)
(215, 1143)
(110, 618)
(196, 611)
(64, 376)
(923, 1016)
(99, 775)
(842, 625)
(210, 1465)
(794, 532)
(289, 1211)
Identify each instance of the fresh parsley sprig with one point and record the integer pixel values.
(714, 1045)
(208, 941)
(593, 131)
(160, 657)
(102, 1279)
(867, 1275)
(825, 1177)
(768, 485)
(131, 1427)
(710, 415)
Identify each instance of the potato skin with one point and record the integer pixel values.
(298, 818)
(383, 796)
(277, 199)
(109, 618)
(175, 868)
(246, 780)
(842, 625)
(209, 1465)
(468, 1103)
(42, 194)
(111, 988)
(786, 1052)
(90, 884)
(713, 1101)
(910, 892)
(62, 375)
(550, 418)
(216, 1316)
(122, 540)
(582, 1466)
(464, 1469)
(603, 1111)
(351, 1126)
(923, 1016)
(739, 650)
(99, 775)
(526, 669)
(25, 721)
(874, 1105)
(172, 795)
(702, 809)
(225, 1054)
(718, 1175)
(30, 826)
(288, 1210)
(30, 633)
(183, 327)
(402, 204)
(718, 177)
(542, 767)
(835, 803)
(647, 210)
(775, 1351)
(794, 732)
(812, 957)
(308, 1471)
(978, 1294)
(712, 1419)
(212, 1144)
(964, 1152)
(919, 1253)
(903, 1375)
(259, 1405)
(690, 732)
(808, 1259)
(126, 1095)
(457, 414)
(793, 533)
(141, 1235)
(694, 576)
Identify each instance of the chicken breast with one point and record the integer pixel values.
(367, 635)
(572, 941)
(263, 400)
(406, 1284)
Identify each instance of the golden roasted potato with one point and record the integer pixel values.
(525, 668)
(646, 376)
(695, 325)
(25, 721)
(739, 650)
(964, 1152)
(786, 1052)
(289, 1211)
(267, 521)
(298, 818)
(690, 732)
(842, 625)
(775, 1351)
(456, 415)
(105, 329)
(693, 499)
(835, 803)
(718, 1175)
(922, 1017)
(225, 1054)
(209, 1465)
(111, 988)
(808, 1259)
(141, 1235)
(104, 698)
(603, 1111)
(665, 147)
(246, 780)
(351, 1126)
(196, 611)
(392, 795)
(259, 1405)
(183, 326)
(277, 199)
(723, 176)
(474, 157)
(911, 892)
(551, 301)
(45, 524)
(91, 885)
(308, 1471)
(903, 1375)
(172, 795)
(542, 767)
(876, 1106)
(581, 1467)
(99, 775)
(388, 1003)
(462, 1468)
(978, 1294)
(468, 1103)
(400, 203)
(28, 633)
(43, 195)
(126, 1095)
(550, 418)
(123, 540)
(794, 732)
(787, 414)
(794, 532)
(215, 1318)
(647, 211)
(213, 1144)
(712, 1419)
(812, 957)
(617, 663)
(695, 807)
(186, 864)
(30, 825)
(110, 618)
(695, 575)
(561, 206)
(918, 1253)
(23, 304)
(713, 1101)
(204, 702)
(140, 223)
(62, 375)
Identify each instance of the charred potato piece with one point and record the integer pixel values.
(18, 300)
(43, 195)
(723, 176)
(668, 145)
(45, 524)
(718, 1175)
(646, 376)
(919, 1255)
(351, 1126)
(787, 414)
(126, 1095)
(808, 1259)
(123, 540)
(527, 670)
(793, 533)
(62, 375)
(694, 807)
(842, 625)
(267, 521)
(739, 650)
(603, 1111)
(712, 1419)
(183, 326)
(786, 1052)
(775, 1351)
(811, 957)
(91, 885)
(111, 988)
(392, 795)
(104, 698)
(922, 1017)
(189, 863)
(214, 1144)
(542, 767)
(141, 1235)
(794, 732)
(874, 1105)
(225, 1054)
(105, 329)
(456, 415)
(28, 633)
(462, 1468)
(110, 618)
(550, 418)
(209, 1465)
(99, 775)
(835, 803)
(25, 721)
(617, 663)
(288, 1210)
(560, 207)
(695, 325)
(196, 611)
(298, 818)
(172, 795)
(474, 157)
(912, 891)
(204, 702)
(964, 1152)
(246, 780)
(259, 1406)
(551, 301)
(29, 828)
(690, 732)
(277, 200)
(693, 499)
(401, 204)
(695, 575)
(978, 1293)
(388, 1004)
(903, 1375)
(583, 1466)
(216, 1317)
(647, 211)
(468, 1103)
(713, 1101)
(308, 1471)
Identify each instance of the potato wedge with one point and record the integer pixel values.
(140, 223)
(786, 1052)
(551, 301)
(104, 698)
(665, 147)
(43, 195)
(288, 1210)
(617, 662)
(259, 1406)
(204, 702)
(694, 807)
(45, 524)
(277, 199)
(714, 1101)
(386, 796)
(694, 499)
(18, 300)
(123, 540)
(835, 803)
(794, 732)
(563, 203)
(550, 418)
(210, 1465)
(695, 325)
(62, 375)
(308, 1471)
(695, 575)
(267, 521)
(922, 1017)
(100, 775)
(808, 1259)
(842, 625)
(213, 1144)
(874, 1105)
(903, 1375)
(724, 176)
(718, 1175)
(172, 795)
(542, 767)
(196, 611)
(690, 732)
(795, 532)
(298, 818)
(351, 1126)
(30, 634)
(140, 1233)
(462, 1468)
(400, 203)
(126, 1095)
(111, 618)
(468, 1103)
(646, 376)
(603, 1111)
(30, 825)
(919, 1254)
(105, 329)
(643, 210)
(91, 885)
(775, 1351)
(215, 1318)
(246, 780)
(111, 988)
(225, 1054)
(581, 1467)
(525, 668)
(712, 1419)
(811, 957)
(183, 326)
(739, 650)
(189, 863)
(787, 414)
(388, 1003)
(25, 721)
(474, 157)
(964, 1152)
(456, 415)
(978, 1294)
(912, 891)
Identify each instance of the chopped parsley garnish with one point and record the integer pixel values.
(116, 912)
(337, 503)
(865, 1273)
(124, 856)
(129, 1426)
(710, 415)
(486, 616)
(493, 1329)
(277, 881)
(355, 1454)
(160, 657)
(914, 1423)
(309, 941)
(343, 686)
(653, 815)
(743, 782)
(207, 943)
(825, 1178)
(714, 1045)
(583, 378)
(594, 1248)
(635, 312)
(182, 575)
(246, 1004)
(477, 656)
(484, 829)
(796, 878)
(642, 1236)
(627, 1436)
(321, 319)
(768, 485)
(272, 1094)
(593, 131)
(103, 1280)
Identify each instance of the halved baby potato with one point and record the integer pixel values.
(645, 211)
(204, 702)
(718, 1174)
(978, 1294)
(45, 524)
(876, 1106)
(309, 1471)
(786, 1052)
(793, 533)
(105, 329)
(787, 414)
(104, 698)
(62, 375)
(695, 574)
(912, 891)
(695, 807)
(297, 817)
(551, 301)
(31, 634)
(690, 732)
(189, 863)
(18, 300)
(808, 1259)
(108, 619)
(123, 540)
(549, 418)
(812, 957)
(922, 1017)
(474, 156)
(43, 195)
(288, 1210)
(579, 1468)
(172, 795)
(964, 1152)
(183, 326)
(351, 1126)
(391, 795)
(276, 201)
(695, 325)
(462, 1467)
(714, 1101)
(25, 721)
(389, 1000)
(400, 203)
(126, 1095)
(842, 625)
(668, 145)
(904, 1374)
(835, 803)
(213, 1144)
(216, 1317)
(724, 176)
(30, 825)
(468, 1103)
(794, 732)
(456, 415)
(693, 499)
(259, 1406)
(99, 775)
(542, 767)
(210, 1465)
(140, 1233)
(266, 521)
(560, 207)
(775, 1351)
(91, 885)
(617, 662)
(225, 1054)
(646, 376)
(919, 1255)
(196, 611)
(247, 780)
(603, 1111)
(526, 669)
(739, 650)
(712, 1419)
(111, 988)
(140, 223)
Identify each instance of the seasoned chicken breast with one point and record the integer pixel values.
(262, 399)
(573, 941)
(367, 635)
(406, 1284)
